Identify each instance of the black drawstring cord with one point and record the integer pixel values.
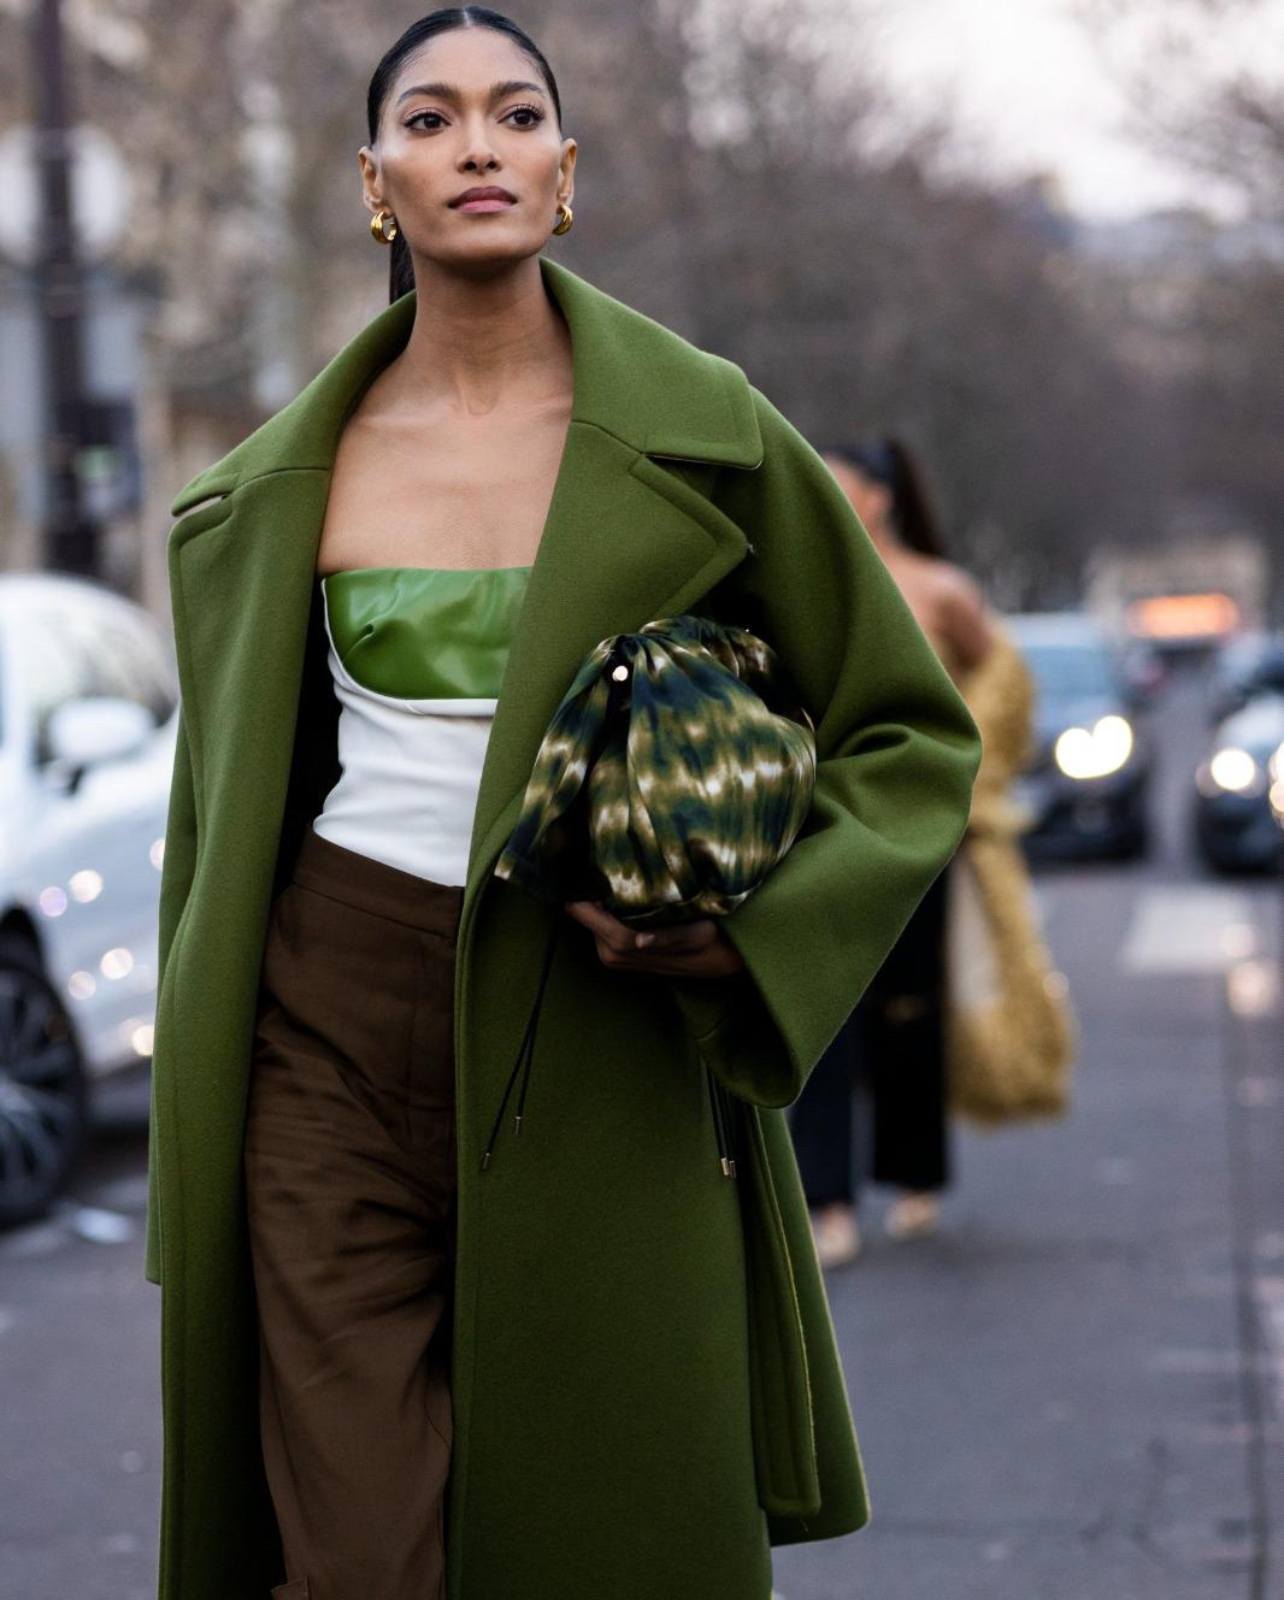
(721, 1124)
(530, 1026)
(729, 1114)
(717, 1118)
(526, 1050)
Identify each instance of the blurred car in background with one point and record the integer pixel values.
(1145, 672)
(88, 718)
(1239, 790)
(1249, 664)
(1085, 789)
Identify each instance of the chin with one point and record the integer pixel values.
(488, 254)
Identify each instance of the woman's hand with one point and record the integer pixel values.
(691, 950)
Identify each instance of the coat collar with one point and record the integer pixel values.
(626, 540)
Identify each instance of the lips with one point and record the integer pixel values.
(490, 198)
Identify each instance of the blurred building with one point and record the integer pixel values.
(110, 463)
(1159, 267)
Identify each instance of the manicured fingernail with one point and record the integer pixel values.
(645, 939)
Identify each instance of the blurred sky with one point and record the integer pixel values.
(1033, 90)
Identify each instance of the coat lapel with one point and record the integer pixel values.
(626, 540)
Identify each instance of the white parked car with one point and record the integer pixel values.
(88, 717)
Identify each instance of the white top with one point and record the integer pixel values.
(411, 771)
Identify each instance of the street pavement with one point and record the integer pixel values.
(1075, 1391)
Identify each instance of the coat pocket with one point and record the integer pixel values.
(784, 1435)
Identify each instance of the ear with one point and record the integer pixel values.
(371, 187)
(566, 171)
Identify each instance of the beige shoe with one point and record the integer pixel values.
(837, 1235)
(913, 1216)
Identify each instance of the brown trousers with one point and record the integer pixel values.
(350, 1191)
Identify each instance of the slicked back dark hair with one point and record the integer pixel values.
(401, 275)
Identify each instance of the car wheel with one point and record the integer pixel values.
(42, 1087)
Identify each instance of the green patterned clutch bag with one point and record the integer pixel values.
(675, 773)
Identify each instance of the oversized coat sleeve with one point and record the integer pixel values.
(176, 879)
(897, 754)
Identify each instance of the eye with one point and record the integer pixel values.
(532, 116)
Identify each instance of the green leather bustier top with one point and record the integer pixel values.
(421, 633)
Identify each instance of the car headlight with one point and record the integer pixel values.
(1234, 771)
(1275, 766)
(1094, 752)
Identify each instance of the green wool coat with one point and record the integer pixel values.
(646, 1385)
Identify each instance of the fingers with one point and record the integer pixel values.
(690, 936)
(600, 922)
(617, 944)
(693, 949)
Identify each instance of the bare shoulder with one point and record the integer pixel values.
(956, 588)
(965, 616)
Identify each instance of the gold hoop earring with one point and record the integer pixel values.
(377, 228)
(565, 217)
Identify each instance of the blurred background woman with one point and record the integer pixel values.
(895, 1039)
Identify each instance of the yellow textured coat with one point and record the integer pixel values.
(1010, 1033)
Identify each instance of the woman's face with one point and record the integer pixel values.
(469, 111)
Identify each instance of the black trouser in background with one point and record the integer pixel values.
(893, 1048)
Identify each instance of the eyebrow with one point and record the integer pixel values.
(447, 91)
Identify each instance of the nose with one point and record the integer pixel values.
(477, 155)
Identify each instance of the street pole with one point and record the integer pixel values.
(70, 537)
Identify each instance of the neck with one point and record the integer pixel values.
(480, 343)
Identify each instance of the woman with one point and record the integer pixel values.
(896, 1038)
(595, 1367)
